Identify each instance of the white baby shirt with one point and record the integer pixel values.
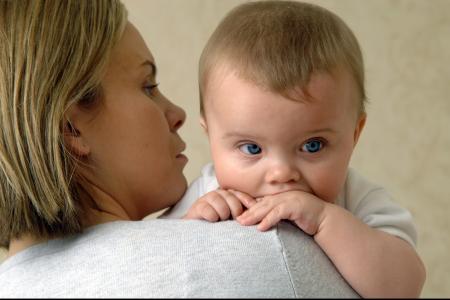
(371, 203)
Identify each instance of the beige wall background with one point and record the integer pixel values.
(405, 145)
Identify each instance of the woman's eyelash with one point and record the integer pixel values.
(149, 88)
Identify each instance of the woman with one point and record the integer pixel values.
(72, 100)
(89, 146)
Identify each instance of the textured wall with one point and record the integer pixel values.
(406, 45)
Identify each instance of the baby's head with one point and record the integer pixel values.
(282, 98)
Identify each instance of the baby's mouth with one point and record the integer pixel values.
(273, 193)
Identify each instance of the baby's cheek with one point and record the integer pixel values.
(328, 186)
(229, 178)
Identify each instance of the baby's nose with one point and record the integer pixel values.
(282, 173)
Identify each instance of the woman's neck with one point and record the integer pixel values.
(20, 244)
(92, 217)
(100, 207)
(104, 210)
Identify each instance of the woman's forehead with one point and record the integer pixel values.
(131, 51)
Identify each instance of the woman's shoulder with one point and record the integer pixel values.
(175, 258)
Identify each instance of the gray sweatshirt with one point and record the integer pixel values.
(175, 258)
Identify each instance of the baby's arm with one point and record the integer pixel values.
(374, 263)
(219, 205)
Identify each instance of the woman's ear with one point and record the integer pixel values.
(74, 141)
(359, 128)
(73, 137)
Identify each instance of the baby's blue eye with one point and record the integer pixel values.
(312, 146)
(251, 149)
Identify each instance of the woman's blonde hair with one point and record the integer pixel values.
(52, 54)
(280, 44)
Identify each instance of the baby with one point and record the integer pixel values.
(282, 102)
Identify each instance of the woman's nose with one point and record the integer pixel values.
(282, 173)
(175, 116)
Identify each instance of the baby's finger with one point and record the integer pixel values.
(219, 204)
(273, 217)
(202, 211)
(255, 214)
(244, 198)
(233, 203)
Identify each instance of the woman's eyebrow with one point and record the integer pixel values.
(153, 69)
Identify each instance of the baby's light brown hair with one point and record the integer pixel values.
(279, 44)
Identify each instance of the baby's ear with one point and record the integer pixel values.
(203, 124)
(359, 127)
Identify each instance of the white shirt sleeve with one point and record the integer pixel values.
(373, 205)
(204, 184)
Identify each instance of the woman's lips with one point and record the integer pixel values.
(182, 158)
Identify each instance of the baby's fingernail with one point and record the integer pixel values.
(261, 227)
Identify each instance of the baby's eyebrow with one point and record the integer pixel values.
(237, 134)
(321, 130)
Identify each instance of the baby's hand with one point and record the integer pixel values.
(304, 209)
(220, 205)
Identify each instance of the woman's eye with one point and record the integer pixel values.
(150, 89)
(312, 146)
(251, 149)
